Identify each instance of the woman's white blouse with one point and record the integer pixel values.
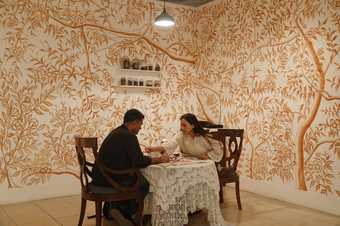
(195, 146)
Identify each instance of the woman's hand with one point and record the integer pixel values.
(203, 156)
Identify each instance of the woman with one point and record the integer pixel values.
(192, 141)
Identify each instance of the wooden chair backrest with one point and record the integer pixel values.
(231, 140)
(86, 162)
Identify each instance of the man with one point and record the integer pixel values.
(120, 150)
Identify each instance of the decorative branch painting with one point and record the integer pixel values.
(279, 77)
(271, 67)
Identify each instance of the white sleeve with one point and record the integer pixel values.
(216, 150)
(170, 145)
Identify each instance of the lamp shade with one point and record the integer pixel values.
(164, 20)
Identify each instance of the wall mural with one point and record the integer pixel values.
(286, 57)
(271, 67)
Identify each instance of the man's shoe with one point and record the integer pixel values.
(195, 212)
(147, 220)
(106, 211)
(120, 219)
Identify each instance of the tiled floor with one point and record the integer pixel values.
(257, 210)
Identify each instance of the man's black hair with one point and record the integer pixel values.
(132, 115)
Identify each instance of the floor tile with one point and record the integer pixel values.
(256, 211)
(28, 213)
(5, 220)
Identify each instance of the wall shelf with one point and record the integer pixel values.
(137, 87)
(136, 78)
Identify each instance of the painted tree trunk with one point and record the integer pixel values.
(311, 117)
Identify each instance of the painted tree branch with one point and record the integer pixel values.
(252, 153)
(329, 97)
(181, 45)
(253, 52)
(51, 173)
(330, 62)
(216, 93)
(204, 112)
(6, 169)
(129, 34)
(324, 93)
(86, 50)
(317, 146)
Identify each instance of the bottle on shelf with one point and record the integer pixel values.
(123, 81)
(135, 64)
(126, 63)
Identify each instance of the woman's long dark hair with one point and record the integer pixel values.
(191, 118)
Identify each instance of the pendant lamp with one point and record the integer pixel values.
(164, 19)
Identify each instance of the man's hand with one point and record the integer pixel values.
(154, 149)
(148, 149)
(165, 157)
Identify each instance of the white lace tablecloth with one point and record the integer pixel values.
(178, 188)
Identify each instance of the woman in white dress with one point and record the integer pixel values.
(192, 141)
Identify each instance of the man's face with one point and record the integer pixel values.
(136, 126)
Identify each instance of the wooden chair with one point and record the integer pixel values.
(231, 140)
(209, 125)
(100, 194)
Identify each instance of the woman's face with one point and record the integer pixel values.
(186, 127)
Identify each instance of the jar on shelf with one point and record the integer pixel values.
(157, 83)
(135, 64)
(149, 83)
(157, 67)
(129, 81)
(126, 64)
(123, 81)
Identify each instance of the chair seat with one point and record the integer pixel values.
(107, 193)
(92, 188)
(227, 175)
(227, 172)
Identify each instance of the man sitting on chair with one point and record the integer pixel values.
(120, 150)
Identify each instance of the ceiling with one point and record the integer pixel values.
(192, 3)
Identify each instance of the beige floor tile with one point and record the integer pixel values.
(302, 217)
(41, 221)
(233, 215)
(229, 194)
(257, 220)
(73, 220)
(27, 213)
(257, 211)
(5, 220)
(58, 207)
(65, 206)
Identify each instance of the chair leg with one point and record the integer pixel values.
(98, 213)
(237, 189)
(139, 214)
(221, 193)
(82, 212)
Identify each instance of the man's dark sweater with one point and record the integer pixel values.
(120, 151)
